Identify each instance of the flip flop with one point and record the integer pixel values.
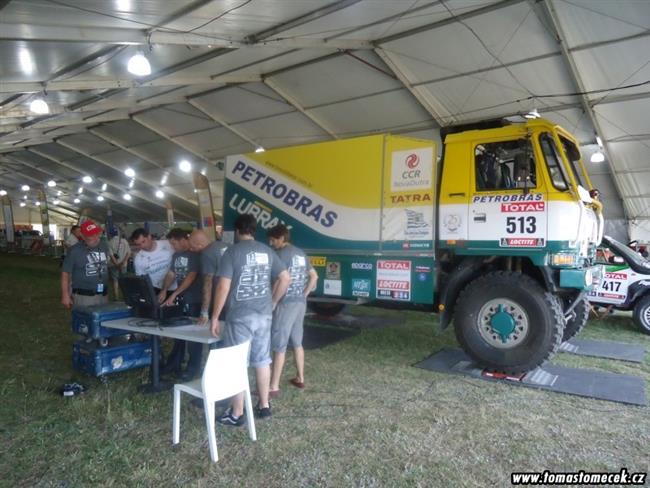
(296, 383)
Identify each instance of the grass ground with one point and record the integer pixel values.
(367, 418)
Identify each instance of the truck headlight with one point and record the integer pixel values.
(589, 278)
(563, 259)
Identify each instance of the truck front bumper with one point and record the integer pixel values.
(581, 279)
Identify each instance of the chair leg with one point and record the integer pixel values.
(208, 408)
(176, 427)
(250, 420)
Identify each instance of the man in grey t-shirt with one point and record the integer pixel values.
(252, 280)
(211, 253)
(185, 272)
(84, 275)
(289, 315)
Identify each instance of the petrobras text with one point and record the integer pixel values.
(531, 197)
(281, 193)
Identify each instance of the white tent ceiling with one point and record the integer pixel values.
(231, 75)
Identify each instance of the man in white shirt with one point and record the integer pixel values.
(119, 250)
(153, 258)
(74, 237)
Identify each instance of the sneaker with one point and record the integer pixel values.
(227, 418)
(263, 413)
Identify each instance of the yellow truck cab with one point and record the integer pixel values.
(499, 235)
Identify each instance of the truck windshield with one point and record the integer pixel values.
(573, 156)
(634, 259)
(554, 162)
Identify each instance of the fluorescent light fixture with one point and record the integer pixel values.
(80, 190)
(56, 202)
(37, 203)
(24, 197)
(25, 188)
(76, 200)
(160, 194)
(163, 180)
(599, 141)
(131, 183)
(259, 149)
(3, 193)
(51, 183)
(22, 204)
(127, 197)
(87, 179)
(39, 106)
(130, 172)
(100, 198)
(26, 61)
(597, 157)
(533, 114)
(59, 193)
(104, 186)
(139, 65)
(185, 166)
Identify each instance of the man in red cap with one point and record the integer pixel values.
(84, 275)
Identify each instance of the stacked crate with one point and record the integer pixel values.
(103, 351)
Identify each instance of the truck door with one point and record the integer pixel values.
(508, 206)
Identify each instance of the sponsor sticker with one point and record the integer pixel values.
(522, 242)
(362, 266)
(332, 287)
(523, 207)
(412, 170)
(394, 279)
(361, 288)
(333, 270)
(317, 261)
(423, 269)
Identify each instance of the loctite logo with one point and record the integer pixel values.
(522, 242)
(412, 160)
(396, 265)
(523, 207)
(393, 285)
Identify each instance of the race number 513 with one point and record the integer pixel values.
(521, 225)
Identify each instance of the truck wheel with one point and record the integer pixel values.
(507, 322)
(326, 309)
(642, 314)
(577, 320)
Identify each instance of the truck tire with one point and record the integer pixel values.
(642, 314)
(577, 321)
(326, 309)
(507, 322)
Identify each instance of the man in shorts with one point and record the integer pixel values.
(252, 280)
(289, 314)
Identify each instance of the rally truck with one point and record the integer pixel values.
(498, 235)
(626, 283)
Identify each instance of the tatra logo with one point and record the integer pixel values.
(412, 160)
(283, 194)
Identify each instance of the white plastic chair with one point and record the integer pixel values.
(225, 375)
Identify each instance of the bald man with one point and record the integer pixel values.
(211, 253)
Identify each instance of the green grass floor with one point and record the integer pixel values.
(367, 418)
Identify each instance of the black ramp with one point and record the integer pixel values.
(604, 349)
(590, 383)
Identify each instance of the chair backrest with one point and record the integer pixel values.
(226, 372)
